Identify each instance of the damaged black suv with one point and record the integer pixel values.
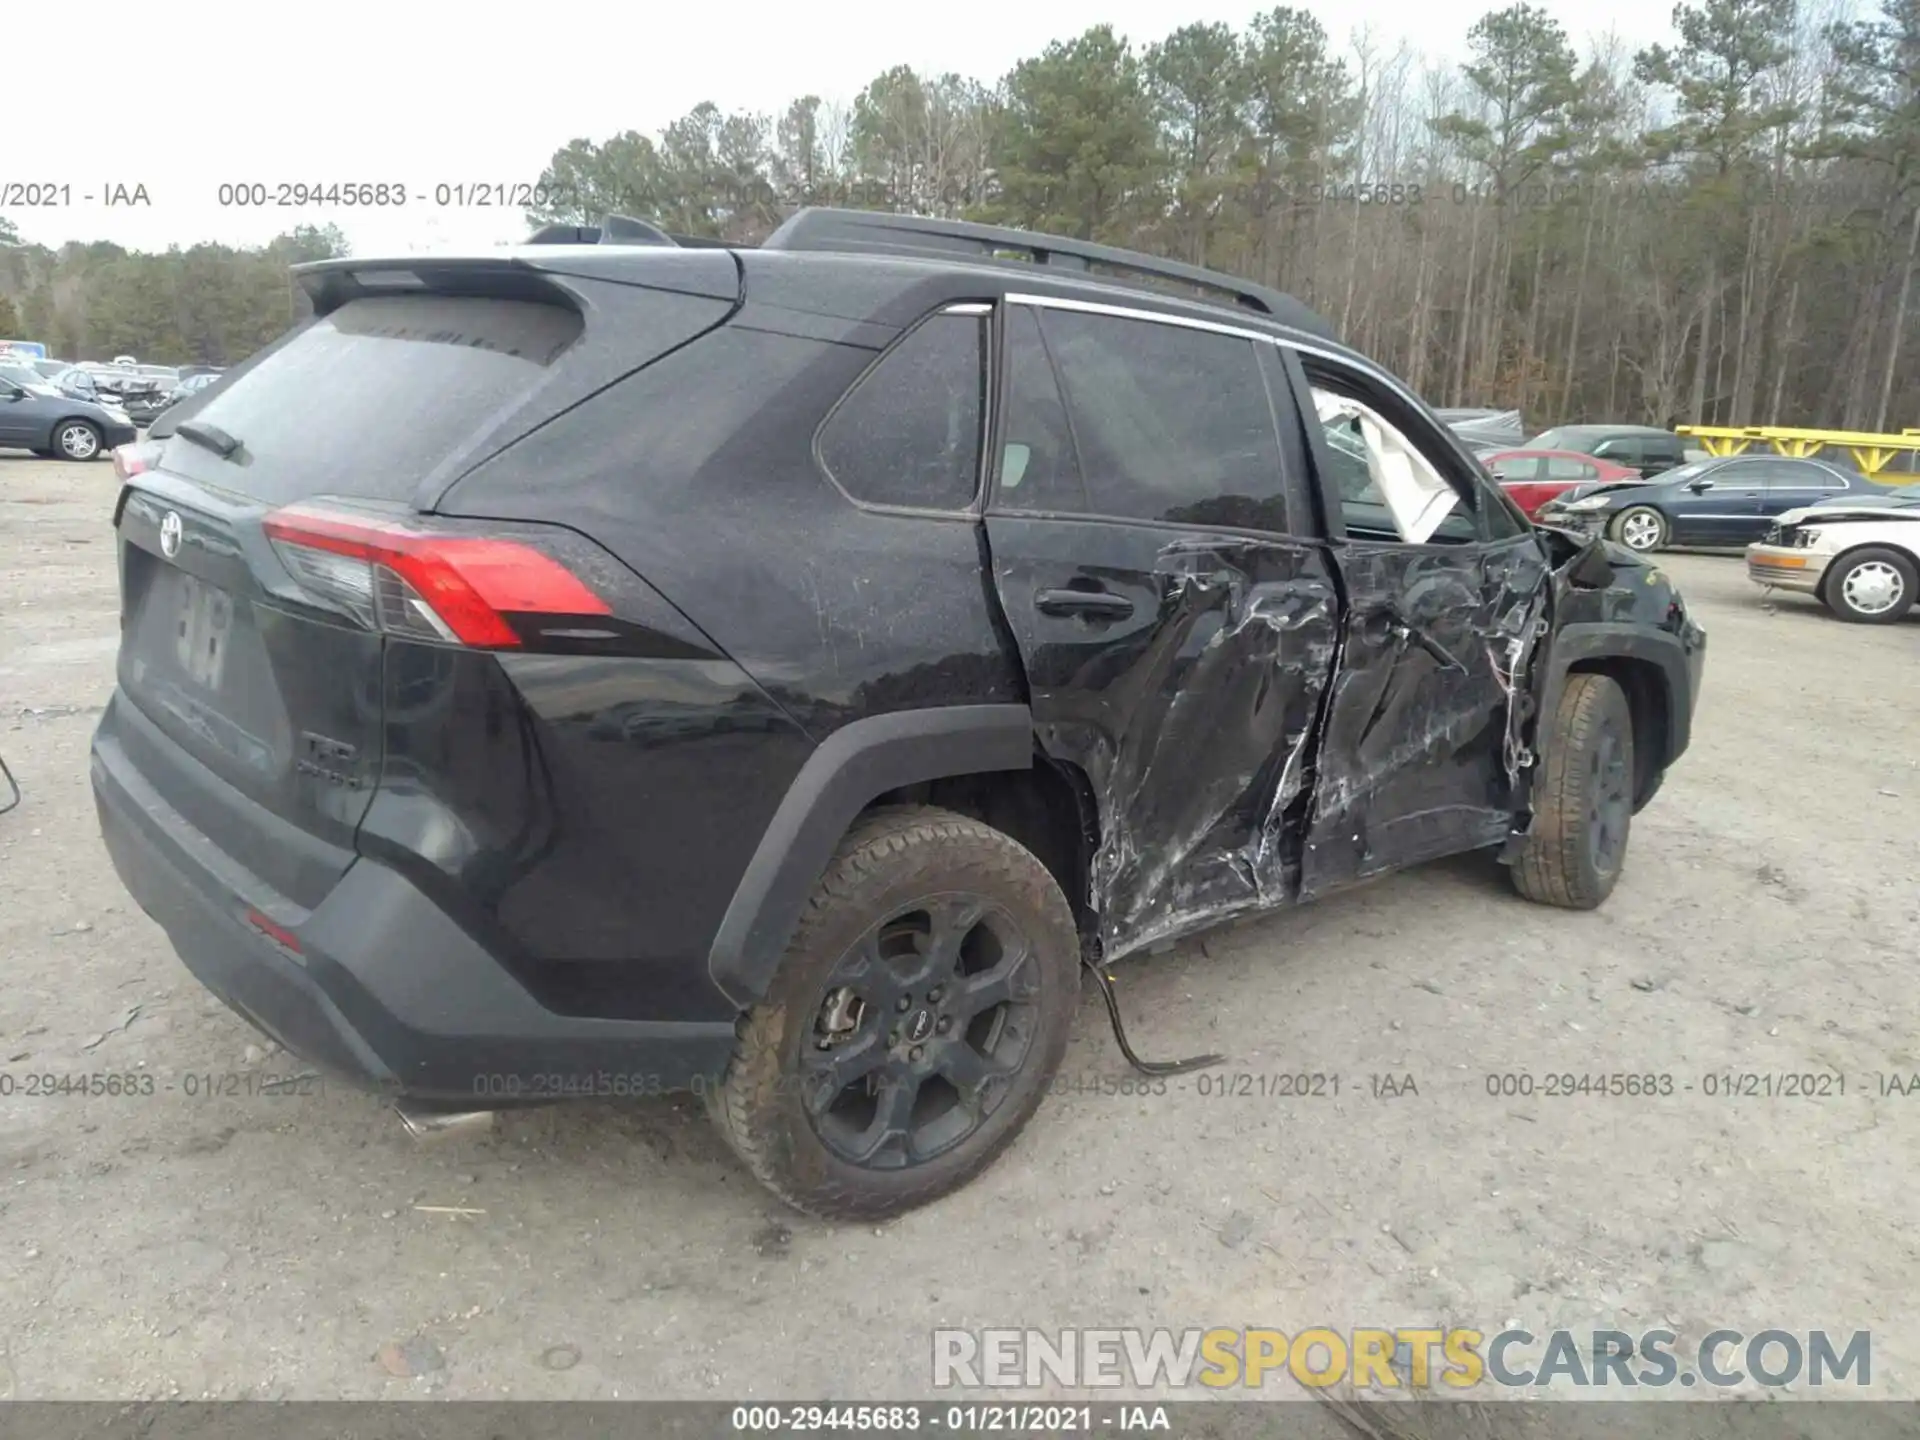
(619, 665)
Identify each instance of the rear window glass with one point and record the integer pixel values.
(369, 399)
(909, 432)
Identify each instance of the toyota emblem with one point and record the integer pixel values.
(170, 534)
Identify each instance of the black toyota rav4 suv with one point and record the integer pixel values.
(617, 665)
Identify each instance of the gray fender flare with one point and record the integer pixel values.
(852, 767)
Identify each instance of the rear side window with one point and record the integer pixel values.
(367, 400)
(1561, 468)
(1170, 424)
(1039, 468)
(908, 433)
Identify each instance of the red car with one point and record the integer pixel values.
(1533, 477)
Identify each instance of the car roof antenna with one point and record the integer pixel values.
(1090, 957)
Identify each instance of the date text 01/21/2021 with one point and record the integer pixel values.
(1713, 1084)
(395, 194)
(971, 1419)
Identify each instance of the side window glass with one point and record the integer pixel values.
(908, 433)
(1518, 471)
(1039, 469)
(1795, 475)
(1388, 490)
(1561, 468)
(1171, 424)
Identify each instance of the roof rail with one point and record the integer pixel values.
(877, 232)
(616, 230)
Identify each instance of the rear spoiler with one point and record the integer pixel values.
(523, 273)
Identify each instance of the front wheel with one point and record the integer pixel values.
(913, 1025)
(1583, 806)
(76, 440)
(1641, 528)
(1874, 586)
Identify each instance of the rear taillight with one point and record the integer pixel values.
(135, 459)
(409, 581)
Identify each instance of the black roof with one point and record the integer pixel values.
(863, 246)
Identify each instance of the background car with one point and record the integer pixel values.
(145, 404)
(1533, 477)
(78, 381)
(1899, 497)
(1486, 428)
(1726, 501)
(189, 387)
(193, 384)
(39, 418)
(1860, 557)
(1645, 448)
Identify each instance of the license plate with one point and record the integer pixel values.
(206, 622)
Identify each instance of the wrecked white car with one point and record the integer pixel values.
(1860, 557)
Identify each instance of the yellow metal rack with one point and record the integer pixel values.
(1871, 452)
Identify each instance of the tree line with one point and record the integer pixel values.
(204, 305)
(1720, 228)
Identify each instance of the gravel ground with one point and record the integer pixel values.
(271, 1246)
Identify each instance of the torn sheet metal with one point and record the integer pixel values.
(1247, 744)
(1425, 749)
(1214, 754)
(1191, 714)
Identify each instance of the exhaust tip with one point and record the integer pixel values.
(434, 1125)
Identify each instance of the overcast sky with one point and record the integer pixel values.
(181, 98)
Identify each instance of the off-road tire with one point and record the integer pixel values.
(890, 857)
(1617, 530)
(1833, 592)
(1557, 864)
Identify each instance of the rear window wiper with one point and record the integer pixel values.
(208, 437)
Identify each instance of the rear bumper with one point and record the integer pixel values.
(386, 991)
(1785, 567)
(114, 435)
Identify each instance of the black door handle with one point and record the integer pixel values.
(1096, 603)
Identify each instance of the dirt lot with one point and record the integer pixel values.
(270, 1246)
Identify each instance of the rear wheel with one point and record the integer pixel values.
(1583, 807)
(1640, 528)
(76, 440)
(913, 1025)
(1874, 586)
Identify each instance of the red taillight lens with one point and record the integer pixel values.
(422, 584)
(135, 459)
